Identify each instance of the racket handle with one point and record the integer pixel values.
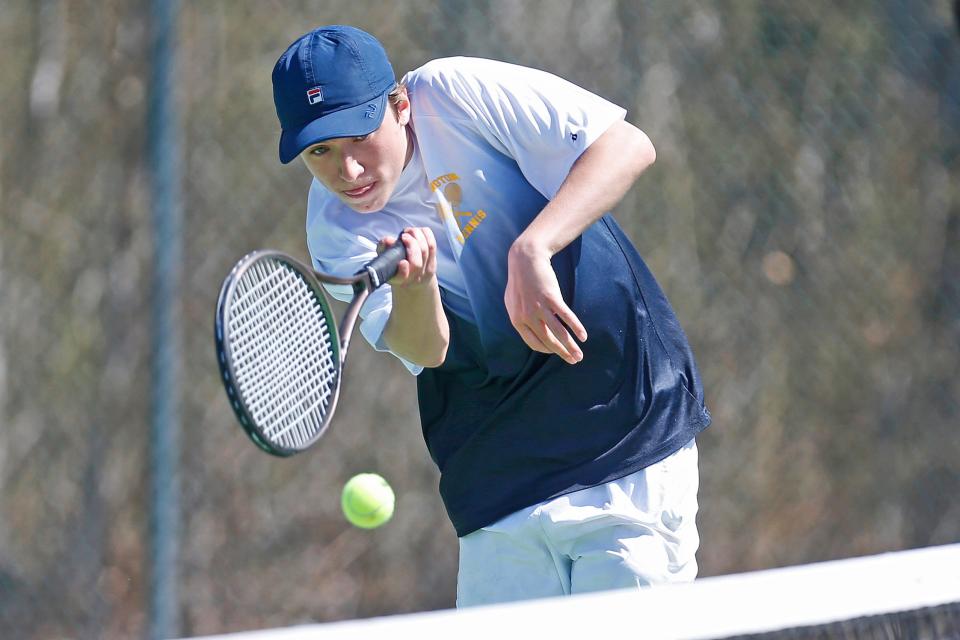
(384, 266)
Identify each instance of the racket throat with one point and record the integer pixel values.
(361, 291)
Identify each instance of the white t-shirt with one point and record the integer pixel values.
(485, 133)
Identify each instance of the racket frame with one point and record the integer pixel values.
(362, 283)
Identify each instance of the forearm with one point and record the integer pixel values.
(417, 329)
(596, 183)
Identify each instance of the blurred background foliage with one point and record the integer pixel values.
(803, 216)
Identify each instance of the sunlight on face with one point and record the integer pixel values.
(363, 172)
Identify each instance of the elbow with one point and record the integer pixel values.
(429, 357)
(632, 144)
(636, 145)
(430, 353)
(646, 153)
(439, 355)
(438, 359)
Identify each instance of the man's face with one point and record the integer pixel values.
(363, 172)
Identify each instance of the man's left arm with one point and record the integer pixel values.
(597, 182)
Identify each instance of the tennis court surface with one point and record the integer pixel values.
(912, 595)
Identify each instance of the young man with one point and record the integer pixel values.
(558, 394)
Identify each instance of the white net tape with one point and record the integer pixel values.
(908, 595)
(283, 353)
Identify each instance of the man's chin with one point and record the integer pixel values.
(372, 205)
(366, 207)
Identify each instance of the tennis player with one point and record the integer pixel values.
(558, 394)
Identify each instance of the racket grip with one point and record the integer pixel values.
(384, 266)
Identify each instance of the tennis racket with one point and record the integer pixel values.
(280, 353)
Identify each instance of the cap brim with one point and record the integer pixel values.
(347, 123)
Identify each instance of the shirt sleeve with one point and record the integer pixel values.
(540, 120)
(342, 252)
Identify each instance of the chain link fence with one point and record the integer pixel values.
(803, 216)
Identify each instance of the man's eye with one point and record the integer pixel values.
(361, 138)
(318, 151)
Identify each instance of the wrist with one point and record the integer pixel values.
(419, 288)
(531, 247)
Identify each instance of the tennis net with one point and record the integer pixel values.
(913, 595)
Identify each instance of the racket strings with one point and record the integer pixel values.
(283, 353)
(282, 420)
(287, 415)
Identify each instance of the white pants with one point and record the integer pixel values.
(632, 532)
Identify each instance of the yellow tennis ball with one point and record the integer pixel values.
(367, 500)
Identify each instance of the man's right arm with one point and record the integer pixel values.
(417, 330)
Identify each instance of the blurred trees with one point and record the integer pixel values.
(803, 216)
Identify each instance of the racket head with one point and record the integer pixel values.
(278, 351)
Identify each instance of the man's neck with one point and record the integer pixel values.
(410, 143)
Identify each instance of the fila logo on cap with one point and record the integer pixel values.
(314, 95)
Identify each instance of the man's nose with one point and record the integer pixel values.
(350, 169)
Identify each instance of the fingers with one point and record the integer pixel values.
(420, 265)
(537, 310)
(532, 340)
(545, 330)
(421, 254)
(566, 315)
(555, 336)
(559, 339)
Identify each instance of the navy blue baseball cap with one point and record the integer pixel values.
(331, 83)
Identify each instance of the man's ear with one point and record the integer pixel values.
(403, 109)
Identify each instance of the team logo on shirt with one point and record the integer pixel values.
(467, 221)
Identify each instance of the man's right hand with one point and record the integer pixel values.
(420, 266)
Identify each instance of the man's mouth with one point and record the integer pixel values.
(359, 191)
